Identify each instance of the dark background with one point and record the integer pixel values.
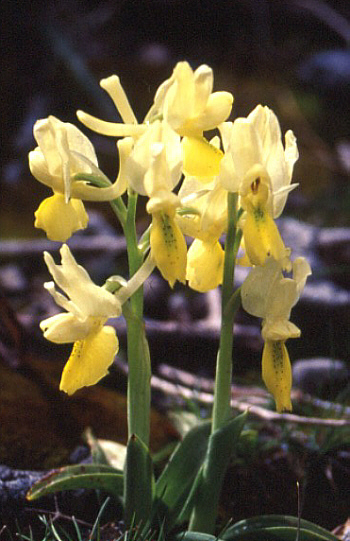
(292, 55)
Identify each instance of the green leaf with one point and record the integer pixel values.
(174, 484)
(221, 446)
(91, 476)
(195, 536)
(139, 483)
(276, 527)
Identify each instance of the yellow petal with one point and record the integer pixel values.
(168, 248)
(200, 158)
(89, 360)
(205, 264)
(60, 219)
(261, 237)
(277, 373)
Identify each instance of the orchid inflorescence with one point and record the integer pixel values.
(187, 180)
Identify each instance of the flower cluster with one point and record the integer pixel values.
(186, 179)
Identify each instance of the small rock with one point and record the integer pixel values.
(320, 376)
(12, 278)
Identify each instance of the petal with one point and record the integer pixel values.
(179, 100)
(205, 265)
(203, 87)
(55, 138)
(60, 219)
(82, 190)
(267, 126)
(291, 151)
(261, 237)
(115, 90)
(245, 146)
(65, 328)
(301, 270)
(158, 177)
(216, 111)
(228, 177)
(258, 288)
(200, 158)
(45, 136)
(90, 299)
(277, 373)
(168, 248)
(89, 360)
(159, 148)
(38, 168)
(113, 129)
(279, 329)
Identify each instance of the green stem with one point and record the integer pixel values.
(222, 392)
(139, 397)
(103, 182)
(138, 354)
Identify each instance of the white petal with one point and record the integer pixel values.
(82, 190)
(65, 328)
(38, 168)
(301, 270)
(180, 96)
(279, 329)
(90, 299)
(291, 151)
(203, 83)
(258, 287)
(245, 146)
(216, 111)
(114, 88)
(113, 129)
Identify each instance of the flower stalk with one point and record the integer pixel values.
(222, 391)
(139, 362)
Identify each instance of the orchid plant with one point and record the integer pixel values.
(231, 187)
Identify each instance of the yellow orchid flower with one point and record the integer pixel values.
(257, 167)
(88, 307)
(186, 103)
(267, 294)
(154, 169)
(154, 164)
(205, 220)
(253, 145)
(62, 152)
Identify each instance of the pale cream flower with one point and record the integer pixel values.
(254, 149)
(88, 307)
(187, 102)
(267, 294)
(204, 217)
(63, 151)
(153, 167)
(259, 169)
